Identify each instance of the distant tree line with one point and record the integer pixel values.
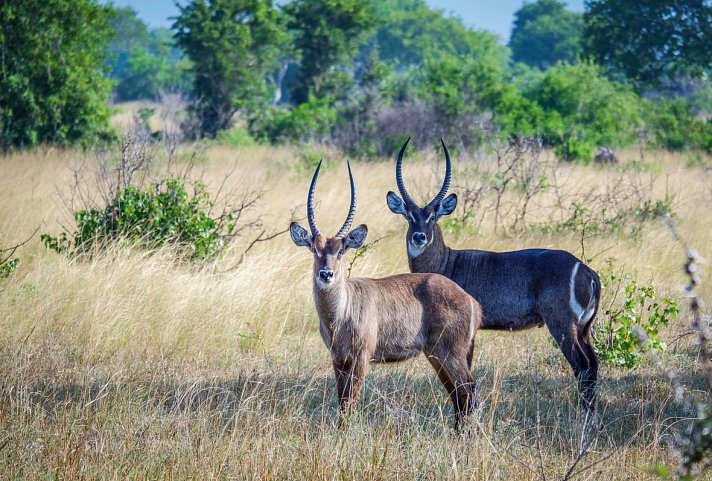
(362, 74)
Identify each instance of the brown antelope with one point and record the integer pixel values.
(391, 319)
(517, 290)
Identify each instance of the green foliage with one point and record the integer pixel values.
(237, 137)
(8, 266)
(545, 33)
(462, 224)
(325, 35)
(166, 215)
(233, 46)
(516, 115)
(145, 63)
(673, 125)
(51, 83)
(582, 110)
(649, 41)
(411, 33)
(633, 326)
(458, 86)
(310, 120)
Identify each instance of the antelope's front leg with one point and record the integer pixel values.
(349, 381)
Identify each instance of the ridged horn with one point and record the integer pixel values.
(352, 208)
(310, 203)
(399, 176)
(446, 183)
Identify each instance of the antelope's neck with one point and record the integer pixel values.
(332, 303)
(434, 258)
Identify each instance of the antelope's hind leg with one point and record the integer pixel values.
(583, 360)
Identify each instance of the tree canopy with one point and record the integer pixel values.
(234, 46)
(145, 62)
(649, 41)
(52, 83)
(544, 32)
(325, 34)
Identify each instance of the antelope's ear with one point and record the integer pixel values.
(300, 236)
(356, 237)
(447, 206)
(395, 203)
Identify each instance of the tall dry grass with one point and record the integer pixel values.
(130, 366)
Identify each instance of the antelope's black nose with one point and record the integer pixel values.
(326, 275)
(419, 238)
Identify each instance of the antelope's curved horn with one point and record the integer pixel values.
(352, 208)
(310, 203)
(399, 176)
(446, 183)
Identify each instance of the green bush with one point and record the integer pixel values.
(673, 125)
(235, 138)
(166, 215)
(633, 327)
(583, 110)
(311, 120)
(7, 267)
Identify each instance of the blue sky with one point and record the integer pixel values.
(492, 15)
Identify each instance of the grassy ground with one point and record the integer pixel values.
(128, 366)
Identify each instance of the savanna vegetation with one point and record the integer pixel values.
(156, 322)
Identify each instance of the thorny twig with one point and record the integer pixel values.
(14, 248)
(362, 251)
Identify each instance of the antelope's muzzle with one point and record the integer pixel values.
(419, 239)
(326, 275)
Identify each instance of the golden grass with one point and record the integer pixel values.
(128, 366)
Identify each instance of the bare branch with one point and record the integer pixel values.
(14, 248)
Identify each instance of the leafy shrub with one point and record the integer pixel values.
(463, 224)
(7, 267)
(235, 138)
(617, 341)
(583, 110)
(673, 125)
(166, 215)
(313, 119)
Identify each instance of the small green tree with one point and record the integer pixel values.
(52, 87)
(544, 33)
(326, 34)
(234, 46)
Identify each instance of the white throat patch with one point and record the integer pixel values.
(414, 251)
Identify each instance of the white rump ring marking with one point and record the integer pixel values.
(576, 308)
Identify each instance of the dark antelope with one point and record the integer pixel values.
(517, 290)
(390, 319)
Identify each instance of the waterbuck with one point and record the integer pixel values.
(517, 290)
(391, 319)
